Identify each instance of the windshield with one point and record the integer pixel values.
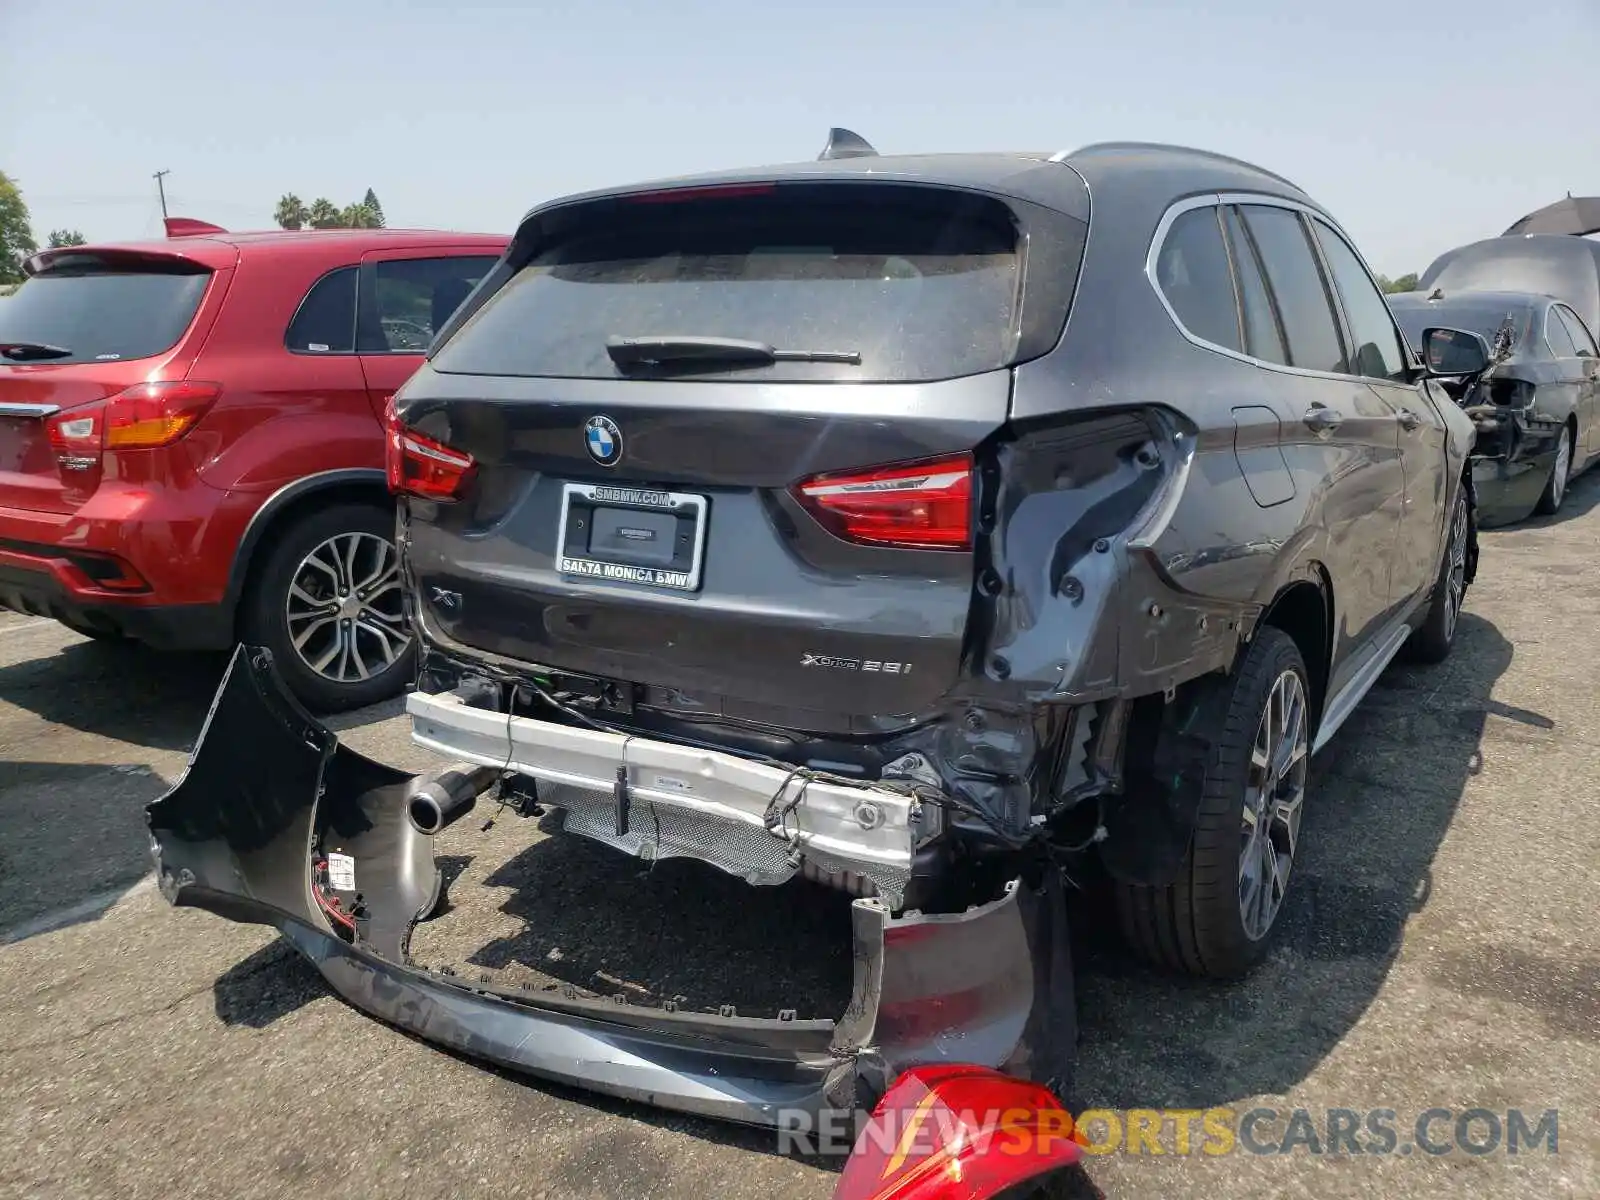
(101, 312)
(919, 287)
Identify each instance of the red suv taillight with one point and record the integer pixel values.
(920, 505)
(956, 1132)
(418, 465)
(142, 417)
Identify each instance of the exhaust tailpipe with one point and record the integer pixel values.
(443, 799)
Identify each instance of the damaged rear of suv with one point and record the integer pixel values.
(937, 529)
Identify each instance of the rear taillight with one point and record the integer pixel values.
(418, 465)
(156, 414)
(921, 505)
(142, 417)
(958, 1133)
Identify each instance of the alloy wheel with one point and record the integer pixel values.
(1456, 579)
(1562, 469)
(344, 609)
(1273, 800)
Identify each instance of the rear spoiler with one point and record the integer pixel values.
(189, 227)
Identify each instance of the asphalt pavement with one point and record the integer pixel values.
(1441, 952)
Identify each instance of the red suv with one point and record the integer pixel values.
(191, 441)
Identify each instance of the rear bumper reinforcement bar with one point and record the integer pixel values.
(266, 785)
(721, 801)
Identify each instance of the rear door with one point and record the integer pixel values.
(406, 297)
(1588, 404)
(89, 325)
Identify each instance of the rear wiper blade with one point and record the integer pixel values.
(22, 351)
(724, 351)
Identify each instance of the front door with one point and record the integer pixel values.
(1378, 354)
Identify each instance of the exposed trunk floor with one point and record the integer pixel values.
(530, 907)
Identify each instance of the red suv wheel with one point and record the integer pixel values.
(327, 602)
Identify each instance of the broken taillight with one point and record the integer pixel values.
(958, 1132)
(418, 465)
(918, 505)
(142, 417)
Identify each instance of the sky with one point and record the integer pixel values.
(1419, 125)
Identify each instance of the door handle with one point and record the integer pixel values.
(1408, 419)
(1321, 419)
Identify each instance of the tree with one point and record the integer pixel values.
(359, 216)
(1406, 283)
(66, 237)
(323, 215)
(291, 213)
(16, 234)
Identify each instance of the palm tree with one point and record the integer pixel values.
(323, 215)
(360, 216)
(291, 213)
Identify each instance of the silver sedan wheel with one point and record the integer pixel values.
(1562, 469)
(1272, 804)
(1456, 580)
(344, 610)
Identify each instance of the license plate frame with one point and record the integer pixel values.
(579, 562)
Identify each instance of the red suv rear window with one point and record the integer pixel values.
(105, 310)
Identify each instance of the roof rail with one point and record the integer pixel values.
(189, 227)
(1097, 147)
(844, 143)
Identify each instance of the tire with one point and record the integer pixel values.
(314, 553)
(1555, 487)
(1197, 924)
(1431, 641)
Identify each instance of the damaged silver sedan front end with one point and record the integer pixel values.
(276, 823)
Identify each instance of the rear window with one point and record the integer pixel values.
(104, 312)
(922, 284)
(1475, 316)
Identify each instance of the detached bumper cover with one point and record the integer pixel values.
(266, 785)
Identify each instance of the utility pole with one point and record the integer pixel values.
(161, 188)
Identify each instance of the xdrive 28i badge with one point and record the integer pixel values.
(604, 440)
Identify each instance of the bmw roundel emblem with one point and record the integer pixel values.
(604, 440)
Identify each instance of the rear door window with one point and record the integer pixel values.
(325, 323)
(104, 310)
(1303, 302)
(1577, 330)
(922, 284)
(1556, 334)
(1192, 271)
(413, 298)
(1263, 338)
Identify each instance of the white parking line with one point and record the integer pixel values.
(35, 624)
(87, 908)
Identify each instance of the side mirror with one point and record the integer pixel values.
(1454, 352)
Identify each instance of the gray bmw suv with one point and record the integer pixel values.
(939, 529)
